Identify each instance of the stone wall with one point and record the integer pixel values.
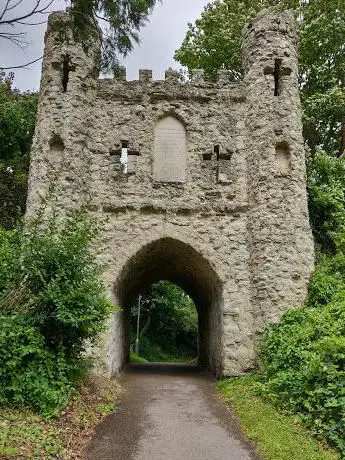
(200, 183)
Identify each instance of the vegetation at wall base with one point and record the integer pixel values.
(52, 307)
(303, 357)
(25, 434)
(151, 351)
(135, 359)
(277, 436)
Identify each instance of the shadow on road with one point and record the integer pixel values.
(165, 368)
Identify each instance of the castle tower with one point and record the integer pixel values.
(280, 241)
(199, 183)
(69, 77)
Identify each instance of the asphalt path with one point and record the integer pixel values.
(169, 413)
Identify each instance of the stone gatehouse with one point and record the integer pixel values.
(199, 183)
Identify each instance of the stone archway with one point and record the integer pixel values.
(170, 259)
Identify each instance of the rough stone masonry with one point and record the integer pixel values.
(200, 183)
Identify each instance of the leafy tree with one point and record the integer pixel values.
(214, 42)
(168, 320)
(326, 179)
(117, 22)
(17, 124)
(52, 307)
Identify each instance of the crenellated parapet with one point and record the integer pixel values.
(172, 89)
(224, 77)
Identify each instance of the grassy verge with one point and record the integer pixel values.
(276, 435)
(134, 358)
(24, 434)
(154, 352)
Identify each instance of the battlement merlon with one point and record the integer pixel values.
(224, 77)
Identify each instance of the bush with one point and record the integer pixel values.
(303, 357)
(31, 374)
(52, 305)
(326, 178)
(327, 281)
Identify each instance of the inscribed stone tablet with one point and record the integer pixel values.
(170, 151)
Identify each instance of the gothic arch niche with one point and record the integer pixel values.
(175, 261)
(170, 148)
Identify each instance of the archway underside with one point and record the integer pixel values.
(170, 259)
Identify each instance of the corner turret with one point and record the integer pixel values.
(280, 236)
(69, 79)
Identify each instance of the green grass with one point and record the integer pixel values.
(155, 352)
(276, 435)
(134, 358)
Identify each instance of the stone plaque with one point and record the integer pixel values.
(170, 147)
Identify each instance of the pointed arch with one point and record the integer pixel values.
(175, 261)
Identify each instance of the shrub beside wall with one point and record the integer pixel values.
(52, 303)
(303, 357)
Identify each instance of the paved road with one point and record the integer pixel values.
(169, 413)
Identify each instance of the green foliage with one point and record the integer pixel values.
(17, 124)
(134, 358)
(115, 23)
(214, 42)
(328, 281)
(31, 374)
(164, 351)
(121, 21)
(168, 323)
(24, 435)
(52, 306)
(56, 280)
(326, 179)
(277, 436)
(303, 357)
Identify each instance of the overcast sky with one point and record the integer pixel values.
(159, 40)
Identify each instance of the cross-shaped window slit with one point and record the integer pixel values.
(277, 77)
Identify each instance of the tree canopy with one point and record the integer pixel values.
(17, 125)
(168, 323)
(118, 22)
(214, 42)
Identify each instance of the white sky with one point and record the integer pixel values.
(159, 40)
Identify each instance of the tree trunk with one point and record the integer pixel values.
(146, 326)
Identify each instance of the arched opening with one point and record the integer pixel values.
(172, 260)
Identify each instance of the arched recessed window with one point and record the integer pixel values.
(170, 146)
(283, 157)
